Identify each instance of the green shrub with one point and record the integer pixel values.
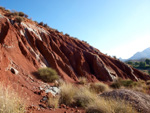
(15, 14)
(46, 26)
(48, 74)
(19, 19)
(125, 83)
(41, 23)
(21, 14)
(67, 34)
(99, 87)
(128, 83)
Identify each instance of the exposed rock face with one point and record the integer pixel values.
(138, 100)
(28, 46)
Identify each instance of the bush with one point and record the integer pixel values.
(67, 93)
(15, 14)
(126, 83)
(48, 74)
(83, 97)
(21, 14)
(10, 102)
(19, 19)
(46, 26)
(41, 23)
(67, 34)
(99, 87)
(82, 80)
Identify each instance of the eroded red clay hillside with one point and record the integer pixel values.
(26, 47)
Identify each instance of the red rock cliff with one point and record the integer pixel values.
(28, 46)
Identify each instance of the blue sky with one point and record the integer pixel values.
(115, 27)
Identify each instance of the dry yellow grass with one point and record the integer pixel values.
(84, 96)
(53, 102)
(67, 93)
(109, 106)
(10, 102)
(99, 87)
(82, 80)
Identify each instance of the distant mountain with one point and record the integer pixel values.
(123, 60)
(141, 55)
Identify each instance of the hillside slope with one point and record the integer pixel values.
(29, 46)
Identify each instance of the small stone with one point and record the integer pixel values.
(42, 93)
(50, 108)
(72, 109)
(37, 92)
(42, 106)
(63, 106)
(67, 107)
(14, 71)
(78, 111)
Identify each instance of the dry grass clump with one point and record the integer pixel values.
(53, 102)
(99, 87)
(84, 96)
(67, 93)
(109, 106)
(99, 106)
(10, 102)
(148, 82)
(82, 80)
(141, 86)
(125, 83)
(134, 85)
(48, 74)
(119, 106)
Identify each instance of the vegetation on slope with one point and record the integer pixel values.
(10, 102)
(143, 64)
(48, 74)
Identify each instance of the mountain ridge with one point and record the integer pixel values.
(145, 54)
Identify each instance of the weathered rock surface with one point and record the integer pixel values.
(140, 101)
(28, 46)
